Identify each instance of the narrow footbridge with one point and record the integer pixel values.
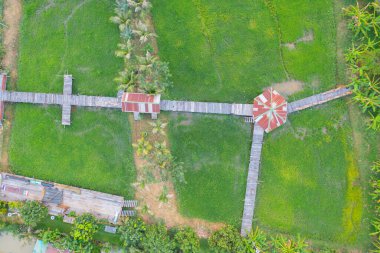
(67, 100)
(257, 142)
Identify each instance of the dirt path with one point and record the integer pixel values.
(149, 194)
(12, 18)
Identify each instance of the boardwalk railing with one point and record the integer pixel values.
(252, 180)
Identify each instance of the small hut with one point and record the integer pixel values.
(140, 103)
(270, 110)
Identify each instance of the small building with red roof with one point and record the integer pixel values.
(270, 110)
(140, 103)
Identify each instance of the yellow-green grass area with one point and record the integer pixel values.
(214, 151)
(74, 37)
(95, 152)
(314, 177)
(228, 51)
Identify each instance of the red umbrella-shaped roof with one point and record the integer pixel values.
(270, 110)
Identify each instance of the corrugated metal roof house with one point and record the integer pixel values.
(141, 103)
(270, 110)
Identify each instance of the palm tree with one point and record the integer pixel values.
(145, 63)
(143, 32)
(125, 50)
(256, 241)
(127, 80)
(158, 127)
(121, 7)
(284, 245)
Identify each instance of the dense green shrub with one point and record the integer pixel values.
(187, 240)
(132, 232)
(32, 213)
(226, 239)
(363, 59)
(157, 240)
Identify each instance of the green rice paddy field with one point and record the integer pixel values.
(314, 173)
(312, 181)
(95, 152)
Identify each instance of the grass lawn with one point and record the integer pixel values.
(229, 50)
(95, 152)
(74, 36)
(311, 180)
(215, 153)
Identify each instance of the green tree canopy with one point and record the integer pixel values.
(157, 240)
(32, 213)
(187, 240)
(226, 239)
(132, 232)
(82, 233)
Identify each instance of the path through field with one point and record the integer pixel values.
(12, 17)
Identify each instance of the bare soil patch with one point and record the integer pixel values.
(12, 18)
(149, 192)
(308, 36)
(289, 87)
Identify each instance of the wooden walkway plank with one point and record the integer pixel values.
(318, 99)
(252, 180)
(206, 107)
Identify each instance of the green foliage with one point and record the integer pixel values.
(143, 72)
(363, 59)
(54, 237)
(157, 240)
(158, 127)
(32, 213)
(3, 208)
(375, 194)
(226, 239)
(255, 241)
(82, 233)
(132, 232)
(187, 240)
(285, 245)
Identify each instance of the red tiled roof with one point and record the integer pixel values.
(139, 102)
(138, 98)
(270, 110)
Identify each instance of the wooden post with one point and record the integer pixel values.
(136, 115)
(154, 115)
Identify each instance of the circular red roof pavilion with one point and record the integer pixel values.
(270, 110)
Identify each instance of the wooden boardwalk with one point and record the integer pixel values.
(66, 106)
(59, 99)
(206, 107)
(252, 180)
(318, 99)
